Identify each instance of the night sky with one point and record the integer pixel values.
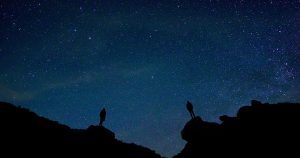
(143, 59)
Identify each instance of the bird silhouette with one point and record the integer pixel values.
(102, 116)
(189, 107)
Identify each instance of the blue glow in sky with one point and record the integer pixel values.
(142, 60)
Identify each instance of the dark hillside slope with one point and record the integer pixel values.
(25, 133)
(257, 130)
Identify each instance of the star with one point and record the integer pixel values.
(147, 59)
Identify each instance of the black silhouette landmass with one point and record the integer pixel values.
(24, 133)
(259, 130)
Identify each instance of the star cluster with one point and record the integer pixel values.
(142, 60)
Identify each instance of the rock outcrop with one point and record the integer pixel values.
(24, 133)
(257, 130)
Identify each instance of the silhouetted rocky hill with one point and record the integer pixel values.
(24, 133)
(257, 130)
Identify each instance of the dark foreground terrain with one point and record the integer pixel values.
(24, 133)
(258, 130)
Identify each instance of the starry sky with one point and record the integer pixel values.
(143, 59)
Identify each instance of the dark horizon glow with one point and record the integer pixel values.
(142, 60)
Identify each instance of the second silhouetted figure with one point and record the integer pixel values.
(189, 107)
(102, 116)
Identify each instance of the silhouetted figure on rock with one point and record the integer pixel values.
(18, 126)
(189, 107)
(102, 116)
